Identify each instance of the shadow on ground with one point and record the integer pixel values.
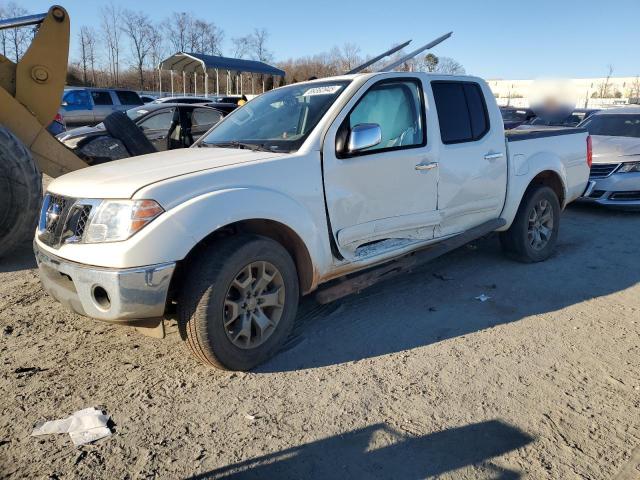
(349, 455)
(20, 259)
(597, 255)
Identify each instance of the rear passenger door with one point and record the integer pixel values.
(102, 104)
(156, 127)
(472, 161)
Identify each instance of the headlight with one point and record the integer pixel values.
(117, 220)
(629, 167)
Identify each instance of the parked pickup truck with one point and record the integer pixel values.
(324, 186)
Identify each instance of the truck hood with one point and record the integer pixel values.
(122, 178)
(615, 149)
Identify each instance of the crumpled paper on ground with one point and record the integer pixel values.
(84, 426)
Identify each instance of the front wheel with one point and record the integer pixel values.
(20, 193)
(238, 302)
(534, 233)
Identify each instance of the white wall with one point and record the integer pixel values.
(517, 92)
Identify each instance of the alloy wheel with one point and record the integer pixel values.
(254, 304)
(540, 225)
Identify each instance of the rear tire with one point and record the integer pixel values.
(20, 193)
(121, 127)
(533, 234)
(238, 302)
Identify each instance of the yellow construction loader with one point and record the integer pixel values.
(30, 95)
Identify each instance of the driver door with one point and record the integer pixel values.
(389, 190)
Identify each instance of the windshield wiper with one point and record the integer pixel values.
(234, 144)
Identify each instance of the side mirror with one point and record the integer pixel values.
(364, 135)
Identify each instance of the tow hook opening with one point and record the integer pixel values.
(101, 297)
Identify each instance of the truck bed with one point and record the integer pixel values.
(541, 150)
(517, 135)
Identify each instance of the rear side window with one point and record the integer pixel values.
(205, 117)
(128, 98)
(462, 111)
(101, 98)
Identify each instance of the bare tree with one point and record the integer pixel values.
(91, 51)
(139, 29)
(350, 56)
(205, 37)
(605, 87)
(634, 90)
(241, 46)
(111, 18)
(258, 45)
(16, 40)
(4, 34)
(178, 27)
(84, 38)
(156, 55)
(449, 66)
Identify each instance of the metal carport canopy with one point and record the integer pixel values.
(197, 62)
(189, 62)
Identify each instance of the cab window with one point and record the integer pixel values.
(395, 106)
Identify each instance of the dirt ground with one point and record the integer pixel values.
(410, 379)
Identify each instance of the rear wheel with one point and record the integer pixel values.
(20, 193)
(534, 233)
(238, 302)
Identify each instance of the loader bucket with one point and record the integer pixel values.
(31, 91)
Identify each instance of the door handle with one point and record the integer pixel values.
(427, 166)
(493, 156)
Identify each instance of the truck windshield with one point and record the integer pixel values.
(623, 125)
(279, 120)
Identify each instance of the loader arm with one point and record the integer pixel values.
(31, 90)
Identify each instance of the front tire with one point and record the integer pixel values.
(534, 233)
(239, 302)
(20, 193)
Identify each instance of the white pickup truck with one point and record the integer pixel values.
(324, 186)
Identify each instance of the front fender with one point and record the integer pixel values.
(207, 213)
(173, 234)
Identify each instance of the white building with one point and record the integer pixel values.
(586, 92)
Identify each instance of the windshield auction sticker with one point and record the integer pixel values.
(326, 90)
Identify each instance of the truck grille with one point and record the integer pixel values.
(602, 170)
(62, 220)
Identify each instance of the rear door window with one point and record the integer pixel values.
(159, 121)
(204, 118)
(128, 98)
(101, 97)
(462, 111)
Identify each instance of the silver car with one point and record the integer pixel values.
(88, 106)
(615, 173)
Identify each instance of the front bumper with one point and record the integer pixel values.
(620, 190)
(114, 295)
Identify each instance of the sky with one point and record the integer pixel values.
(517, 39)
